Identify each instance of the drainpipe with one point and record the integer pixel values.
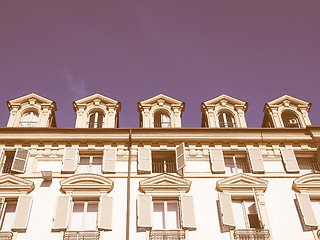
(128, 187)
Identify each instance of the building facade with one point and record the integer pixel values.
(160, 181)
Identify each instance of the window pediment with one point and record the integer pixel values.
(165, 183)
(10, 184)
(308, 182)
(161, 98)
(242, 183)
(86, 182)
(96, 99)
(223, 98)
(287, 100)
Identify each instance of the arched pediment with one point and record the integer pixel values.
(86, 183)
(242, 183)
(165, 183)
(10, 184)
(309, 182)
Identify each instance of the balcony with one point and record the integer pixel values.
(308, 167)
(6, 235)
(237, 168)
(89, 168)
(167, 235)
(251, 234)
(226, 124)
(162, 124)
(28, 124)
(81, 235)
(95, 124)
(164, 167)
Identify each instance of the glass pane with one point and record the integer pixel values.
(84, 160)
(158, 215)
(239, 216)
(9, 216)
(77, 216)
(172, 216)
(97, 160)
(229, 164)
(251, 210)
(91, 218)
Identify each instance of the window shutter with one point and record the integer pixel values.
(144, 160)
(109, 160)
(105, 213)
(256, 160)
(2, 207)
(257, 203)
(180, 157)
(144, 211)
(226, 210)
(70, 160)
(187, 212)
(22, 213)
(217, 160)
(306, 211)
(62, 214)
(289, 160)
(19, 163)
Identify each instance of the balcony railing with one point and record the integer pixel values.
(6, 235)
(28, 124)
(251, 234)
(81, 235)
(7, 167)
(167, 235)
(161, 167)
(89, 169)
(227, 124)
(291, 125)
(94, 124)
(238, 168)
(162, 124)
(309, 167)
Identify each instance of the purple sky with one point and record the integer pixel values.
(131, 50)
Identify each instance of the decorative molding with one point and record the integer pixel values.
(307, 183)
(10, 184)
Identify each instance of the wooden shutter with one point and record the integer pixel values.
(22, 213)
(289, 160)
(70, 160)
(144, 160)
(105, 213)
(306, 211)
(217, 160)
(226, 210)
(109, 160)
(187, 212)
(180, 157)
(62, 214)
(256, 160)
(20, 159)
(144, 211)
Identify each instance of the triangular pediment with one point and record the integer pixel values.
(32, 97)
(94, 97)
(309, 182)
(225, 98)
(288, 99)
(161, 97)
(86, 182)
(242, 182)
(165, 182)
(10, 183)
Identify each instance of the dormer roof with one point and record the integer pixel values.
(286, 100)
(96, 98)
(161, 97)
(225, 98)
(31, 98)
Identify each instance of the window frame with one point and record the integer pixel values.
(29, 123)
(95, 123)
(225, 123)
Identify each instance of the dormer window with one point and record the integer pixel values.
(95, 120)
(30, 119)
(161, 120)
(290, 119)
(226, 120)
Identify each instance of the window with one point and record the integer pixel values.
(307, 162)
(290, 119)
(84, 215)
(161, 120)
(163, 162)
(9, 209)
(90, 163)
(14, 160)
(95, 120)
(29, 119)
(245, 213)
(236, 163)
(226, 120)
(165, 214)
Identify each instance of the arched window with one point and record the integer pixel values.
(226, 120)
(290, 119)
(95, 120)
(30, 119)
(161, 120)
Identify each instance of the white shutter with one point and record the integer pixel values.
(105, 213)
(2, 207)
(289, 160)
(187, 213)
(226, 210)
(257, 202)
(217, 160)
(144, 160)
(144, 211)
(20, 159)
(109, 160)
(62, 214)
(256, 160)
(180, 157)
(306, 211)
(70, 160)
(22, 213)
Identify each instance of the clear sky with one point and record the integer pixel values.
(131, 50)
